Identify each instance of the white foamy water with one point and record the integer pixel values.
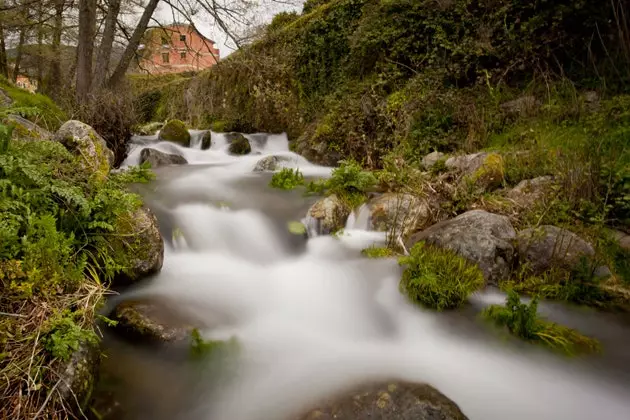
(321, 319)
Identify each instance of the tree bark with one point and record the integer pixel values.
(18, 54)
(85, 49)
(105, 49)
(54, 78)
(4, 69)
(40, 46)
(132, 47)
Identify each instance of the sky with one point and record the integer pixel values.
(257, 15)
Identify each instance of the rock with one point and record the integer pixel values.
(592, 101)
(206, 140)
(622, 238)
(83, 141)
(431, 159)
(79, 376)
(149, 129)
(140, 244)
(389, 401)
(5, 100)
(271, 163)
(239, 145)
(549, 246)
(147, 321)
(521, 107)
(480, 237)
(176, 132)
(26, 130)
(485, 170)
(404, 213)
(529, 191)
(327, 215)
(157, 158)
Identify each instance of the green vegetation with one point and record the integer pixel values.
(34, 107)
(57, 227)
(175, 131)
(349, 182)
(378, 252)
(522, 320)
(287, 179)
(438, 278)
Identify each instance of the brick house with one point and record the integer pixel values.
(176, 48)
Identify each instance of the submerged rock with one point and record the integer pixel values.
(549, 246)
(399, 213)
(83, 141)
(389, 401)
(176, 132)
(480, 237)
(26, 130)
(271, 163)
(431, 159)
(328, 215)
(529, 191)
(239, 145)
(146, 321)
(206, 140)
(139, 245)
(157, 158)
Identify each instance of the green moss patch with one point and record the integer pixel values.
(175, 131)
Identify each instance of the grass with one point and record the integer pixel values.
(374, 252)
(522, 321)
(349, 182)
(287, 179)
(438, 278)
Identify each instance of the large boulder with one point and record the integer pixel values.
(82, 140)
(431, 159)
(239, 145)
(548, 246)
(480, 237)
(399, 213)
(139, 246)
(327, 216)
(25, 129)
(389, 401)
(157, 158)
(175, 131)
(530, 191)
(148, 322)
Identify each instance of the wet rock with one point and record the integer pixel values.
(140, 246)
(399, 213)
(271, 163)
(79, 375)
(206, 140)
(549, 246)
(389, 401)
(25, 129)
(521, 107)
(622, 238)
(239, 145)
(529, 191)
(484, 170)
(175, 131)
(328, 215)
(149, 322)
(157, 158)
(480, 237)
(431, 159)
(5, 100)
(149, 129)
(82, 140)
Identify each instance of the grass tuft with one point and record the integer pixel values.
(287, 179)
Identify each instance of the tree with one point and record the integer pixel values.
(85, 49)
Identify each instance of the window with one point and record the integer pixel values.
(164, 57)
(165, 40)
(182, 55)
(182, 37)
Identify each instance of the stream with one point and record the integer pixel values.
(313, 317)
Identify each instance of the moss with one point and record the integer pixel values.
(240, 145)
(491, 173)
(378, 252)
(175, 131)
(37, 108)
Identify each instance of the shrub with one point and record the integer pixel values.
(349, 182)
(287, 179)
(522, 321)
(438, 278)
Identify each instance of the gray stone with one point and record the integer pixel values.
(157, 158)
(78, 376)
(431, 159)
(622, 238)
(592, 101)
(521, 107)
(239, 145)
(27, 130)
(466, 163)
(271, 163)
(149, 129)
(529, 191)
(400, 214)
(149, 322)
(326, 216)
(480, 237)
(548, 246)
(5, 100)
(83, 141)
(388, 401)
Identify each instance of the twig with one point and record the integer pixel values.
(15, 315)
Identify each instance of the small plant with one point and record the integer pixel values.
(287, 179)
(438, 278)
(378, 252)
(522, 320)
(6, 132)
(349, 182)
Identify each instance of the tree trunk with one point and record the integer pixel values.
(132, 47)
(4, 69)
(54, 78)
(105, 49)
(40, 47)
(85, 49)
(18, 54)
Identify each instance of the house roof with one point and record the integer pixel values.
(172, 26)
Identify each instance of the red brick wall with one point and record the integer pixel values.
(198, 52)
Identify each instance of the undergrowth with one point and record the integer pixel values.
(349, 182)
(378, 252)
(523, 321)
(287, 179)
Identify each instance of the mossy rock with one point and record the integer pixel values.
(206, 140)
(176, 132)
(239, 145)
(148, 129)
(491, 173)
(25, 129)
(388, 401)
(327, 215)
(78, 376)
(148, 322)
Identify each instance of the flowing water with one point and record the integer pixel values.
(313, 317)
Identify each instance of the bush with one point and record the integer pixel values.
(287, 179)
(349, 182)
(522, 321)
(438, 278)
